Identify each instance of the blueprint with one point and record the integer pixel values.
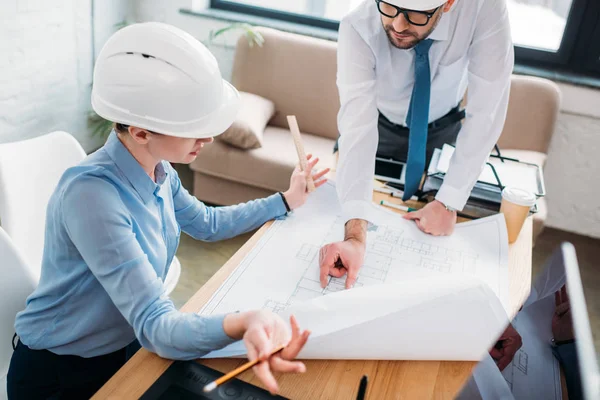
(282, 271)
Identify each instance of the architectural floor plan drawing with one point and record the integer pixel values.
(283, 268)
(518, 365)
(534, 371)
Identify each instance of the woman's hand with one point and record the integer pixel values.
(297, 194)
(264, 331)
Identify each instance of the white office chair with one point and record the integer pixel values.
(16, 283)
(29, 172)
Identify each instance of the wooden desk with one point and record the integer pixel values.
(331, 379)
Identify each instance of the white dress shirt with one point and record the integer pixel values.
(472, 47)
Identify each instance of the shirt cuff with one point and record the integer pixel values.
(452, 197)
(214, 335)
(276, 206)
(566, 354)
(357, 209)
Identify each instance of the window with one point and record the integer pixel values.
(332, 9)
(557, 35)
(539, 24)
(319, 13)
(593, 49)
(562, 36)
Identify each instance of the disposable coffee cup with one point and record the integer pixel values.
(515, 206)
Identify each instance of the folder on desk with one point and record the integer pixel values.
(497, 173)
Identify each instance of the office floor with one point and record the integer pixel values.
(201, 260)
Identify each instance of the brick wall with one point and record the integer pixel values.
(46, 65)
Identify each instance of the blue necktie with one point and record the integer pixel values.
(418, 119)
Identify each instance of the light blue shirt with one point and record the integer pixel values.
(111, 233)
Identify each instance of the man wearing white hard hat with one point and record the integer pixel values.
(403, 69)
(114, 221)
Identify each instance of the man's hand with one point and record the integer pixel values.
(562, 323)
(507, 346)
(434, 219)
(337, 259)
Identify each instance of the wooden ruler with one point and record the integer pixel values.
(293, 123)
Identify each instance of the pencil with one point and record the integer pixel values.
(215, 384)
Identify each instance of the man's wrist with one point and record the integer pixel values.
(447, 207)
(356, 230)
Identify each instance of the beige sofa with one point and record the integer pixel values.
(298, 74)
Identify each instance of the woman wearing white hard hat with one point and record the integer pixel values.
(403, 70)
(114, 221)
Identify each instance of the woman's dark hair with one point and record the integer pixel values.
(124, 128)
(121, 128)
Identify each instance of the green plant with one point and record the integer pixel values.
(101, 128)
(252, 35)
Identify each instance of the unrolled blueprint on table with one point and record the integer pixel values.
(281, 273)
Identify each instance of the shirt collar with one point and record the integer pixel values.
(133, 171)
(441, 30)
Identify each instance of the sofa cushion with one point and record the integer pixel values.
(269, 167)
(298, 73)
(246, 132)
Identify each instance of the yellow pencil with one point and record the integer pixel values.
(215, 384)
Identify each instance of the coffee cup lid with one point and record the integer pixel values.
(519, 196)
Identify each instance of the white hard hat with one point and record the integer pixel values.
(418, 5)
(157, 77)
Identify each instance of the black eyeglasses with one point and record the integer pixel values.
(414, 17)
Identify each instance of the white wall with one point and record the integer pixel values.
(200, 28)
(573, 168)
(46, 65)
(108, 15)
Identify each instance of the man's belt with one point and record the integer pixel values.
(453, 116)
